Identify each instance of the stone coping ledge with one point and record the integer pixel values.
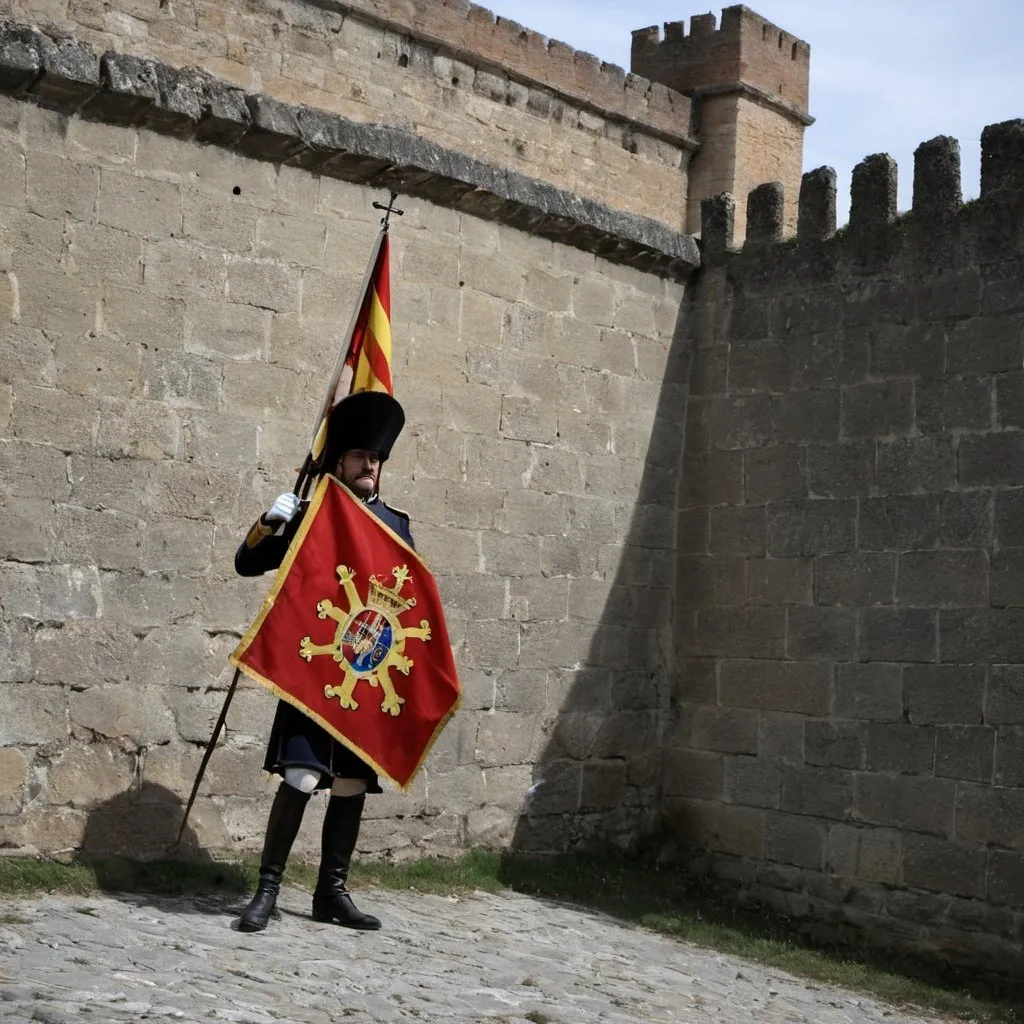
(64, 74)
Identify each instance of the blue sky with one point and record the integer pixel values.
(885, 76)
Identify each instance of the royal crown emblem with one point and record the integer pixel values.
(369, 639)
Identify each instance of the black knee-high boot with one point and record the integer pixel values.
(282, 828)
(331, 901)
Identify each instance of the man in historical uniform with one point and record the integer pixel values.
(361, 432)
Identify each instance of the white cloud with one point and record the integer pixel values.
(885, 76)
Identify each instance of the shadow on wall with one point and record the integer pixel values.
(597, 781)
(140, 825)
(131, 843)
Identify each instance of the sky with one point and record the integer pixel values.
(885, 76)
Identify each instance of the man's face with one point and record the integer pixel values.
(359, 470)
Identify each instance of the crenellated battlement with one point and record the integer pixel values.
(475, 34)
(937, 199)
(745, 49)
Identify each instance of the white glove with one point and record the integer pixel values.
(283, 510)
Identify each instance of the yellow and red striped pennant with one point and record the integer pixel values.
(369, 354)
(365, 362)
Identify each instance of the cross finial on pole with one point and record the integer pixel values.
(388, 210)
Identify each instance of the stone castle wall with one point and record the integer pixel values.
(450, 72)
(169, 311)
(847, 746)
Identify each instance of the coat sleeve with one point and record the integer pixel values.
(262, 550)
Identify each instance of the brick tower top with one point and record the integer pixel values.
(745, 52)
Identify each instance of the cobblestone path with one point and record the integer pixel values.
(504, 959)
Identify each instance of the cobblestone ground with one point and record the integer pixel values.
(480, 958)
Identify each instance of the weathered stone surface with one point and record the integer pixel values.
(86, 775)
(13, 780)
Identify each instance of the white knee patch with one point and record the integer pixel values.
(301, 779)
(348, 787)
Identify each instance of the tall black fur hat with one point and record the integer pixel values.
(367, 419)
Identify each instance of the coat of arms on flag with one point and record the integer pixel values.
(352, 633)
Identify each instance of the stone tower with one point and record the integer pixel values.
(749, 84)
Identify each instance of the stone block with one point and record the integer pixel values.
(712, 478)
(726, 730)
(944, 694)
(738, 531)
(950, 403)
(13, 780)
(142, 207)
(818, 792)
(739, 633)
(965, 752)
(775, 474)
(182, 654)
(45, 830)
(1010, 400)
(898, 634)
(55, 187)
(835, 744)
(1007, 582)
(992, 344)
(898, 523)
(88, 775)
(869, 692)
(779, 580)
(806, 416)
(1009, 769)
(1004, 701)
(916, 464)
(108, 539)
(83, 653)
(782, 737)
(137, 429)
(504, 738)
(805, 528)
(1005, 883)
(942, 578)
(910, 802)
(877, 410)
(527, 513)
(263, 285)
(29, 530)
(793, 839)
(965, 520)
(908, 350)
(17, 650)
(820, 633)
(51, 417)
(544, 599)
(991, 460)
(840, 470)
(900, 749)
(855, 579)
(127, 712)
(694, 774)
(604, 785)
(990, 815)
(33, 715)
(982, 635)
(796, 687)
(490, 643)
(1009, 518)
(944, 866)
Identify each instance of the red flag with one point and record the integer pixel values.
(352, 633)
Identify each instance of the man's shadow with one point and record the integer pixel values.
(131, 843)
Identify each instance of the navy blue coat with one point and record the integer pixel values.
(295, 740)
